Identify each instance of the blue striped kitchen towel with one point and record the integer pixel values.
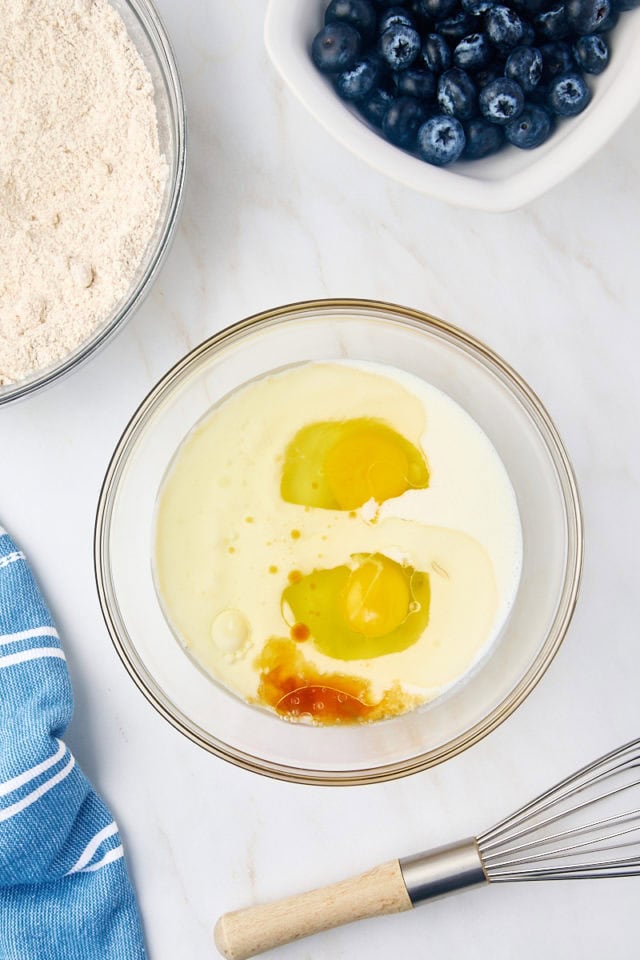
(64, 889)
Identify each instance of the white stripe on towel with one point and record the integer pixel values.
(21, 805)
(91, 847)
(10, 785)
(35, 654)
(12, 557)
(28, 634)
(109, 857)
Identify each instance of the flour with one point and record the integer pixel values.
(81, 175)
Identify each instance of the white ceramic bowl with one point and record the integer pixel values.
(502, 182)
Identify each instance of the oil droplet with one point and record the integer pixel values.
(273, 569)
(295, 576)
(300, 632)
(295, 534)
(231, 549)
(248, 519)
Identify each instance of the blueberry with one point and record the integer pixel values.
(609, 21)
(457, 94)
(383, 4)
(585, 16)
(568, 95)
(436, 53)
(416, 83)
(358, 13)
(375, 106)
(552, 24)
(490, 73)
(501, 101)
(524, 65)
(336, 47)
(623, 5)
(421, 19)
(359, 81)
(474, 52)
(483, 138)
(441, 140)
(557, 58)
(394, 17)
(528, 8)
(477, 8)
(538, 96)
(530, 129)
(438, 9)
(504, 27)
(592, 53)
(401, 121)
(456, 27)
(528, 34)
(399, 46)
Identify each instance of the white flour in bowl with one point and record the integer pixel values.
(81, 175)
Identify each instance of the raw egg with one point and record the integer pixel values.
(368, 608)
(342, 465)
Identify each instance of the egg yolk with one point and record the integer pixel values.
(340, 465)
(369, 608)
(376, 597)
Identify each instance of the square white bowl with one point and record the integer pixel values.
(505, 181)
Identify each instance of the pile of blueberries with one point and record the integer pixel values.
(450, 79)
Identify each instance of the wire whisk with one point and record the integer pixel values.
(585, 827)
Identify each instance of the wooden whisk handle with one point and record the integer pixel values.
(245, 933)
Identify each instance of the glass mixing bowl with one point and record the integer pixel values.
(524, 437)
(149, 36)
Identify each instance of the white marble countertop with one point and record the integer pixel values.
(276, 211)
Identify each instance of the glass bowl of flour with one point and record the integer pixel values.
(92, 165)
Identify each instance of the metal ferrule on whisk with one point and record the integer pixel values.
(445, 870)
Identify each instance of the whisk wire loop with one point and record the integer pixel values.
(572, 830)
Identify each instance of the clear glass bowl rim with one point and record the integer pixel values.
(161, 45)
(573, 570)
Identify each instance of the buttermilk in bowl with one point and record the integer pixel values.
(337, 542)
